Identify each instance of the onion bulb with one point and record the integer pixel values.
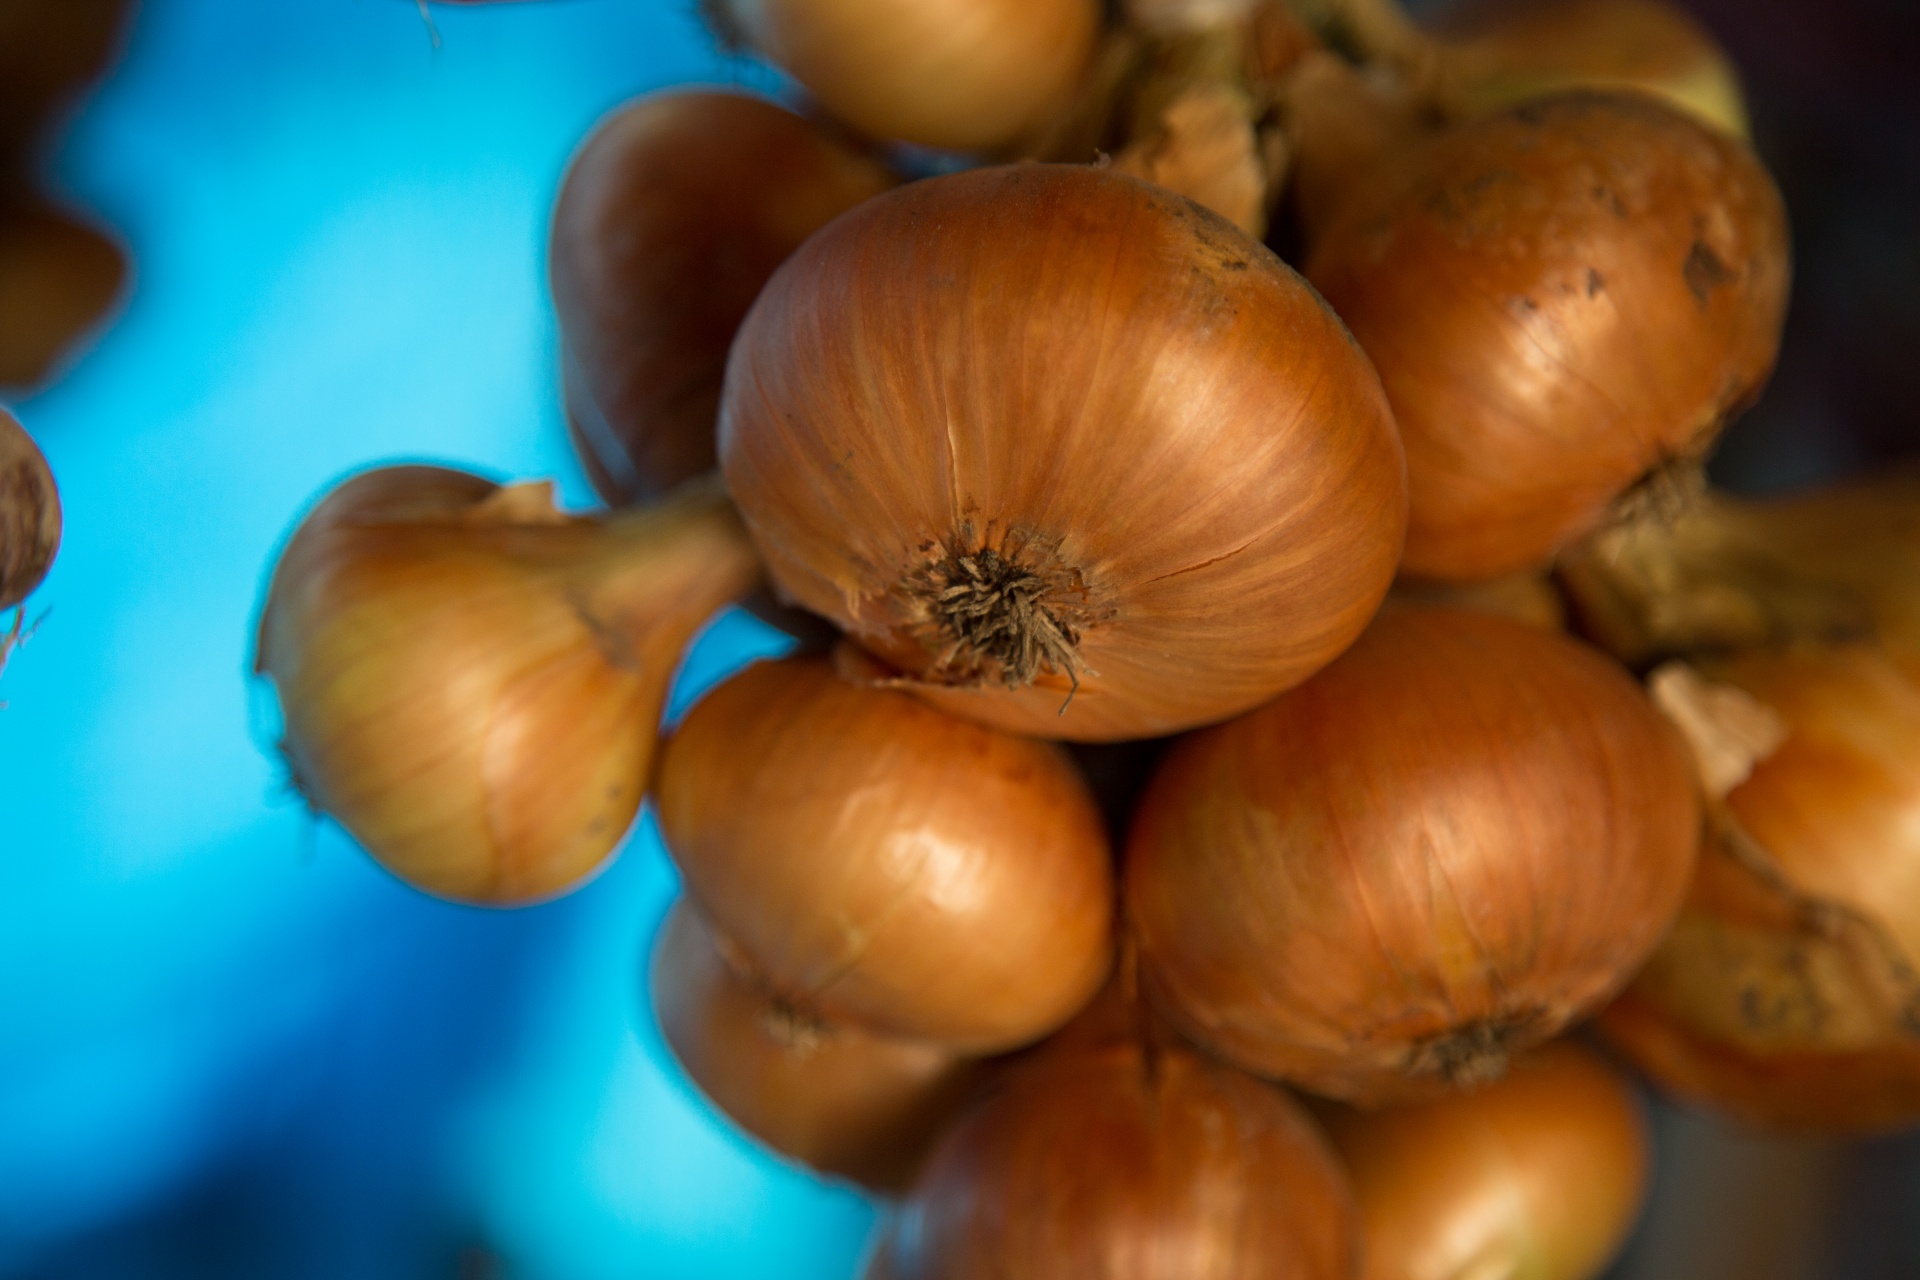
(57, 277)
(673, 214)
(1788, 992)
(1462, 835)
(1537, 1177)
(1074, 455)
(472, 682)
(965, 75)
(880, 863)
(1126, 1160)
(29, 514)
(1560, 299)
(834, 1098)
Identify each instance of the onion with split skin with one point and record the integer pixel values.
(472, 681)
(1461, 836)
(29, 514)
(836, 1098)
(1072, 454)
(1539, 1176)
(877, 862)
(672, 216)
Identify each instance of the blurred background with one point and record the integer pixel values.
(229, 1045)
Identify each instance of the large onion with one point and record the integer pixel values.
(1073, 453)
(673, 214)
(835, 1098)
(1460, 836)
(880, 863)
(1560, 298)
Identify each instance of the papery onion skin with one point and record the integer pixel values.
(58, 277)
(1127, 1162)
(881, 863)
(1787, 994)
(965, 75)
(1148, 414)
(1460, 836)
(1560, 298)
(1538, 1176)
(673, 214)
(837, 1099)
(472, 682)
(29, 514)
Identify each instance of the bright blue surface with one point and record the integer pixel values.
(229, 1045)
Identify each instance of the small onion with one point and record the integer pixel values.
(1560, 299)
(472, 681)
(1537, 1177)
(1073, 454)
(835, 1098)
(1789, 991)
(968, 75)
(1460, 836)
(1127, 1161)
(29, 514)
(879, 863)
(672, 216)
(58, 276)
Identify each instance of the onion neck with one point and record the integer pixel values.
(1477, 1053)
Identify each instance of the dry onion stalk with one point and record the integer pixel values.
(472, 681)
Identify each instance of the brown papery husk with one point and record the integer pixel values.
(881, 863)
(1119, 1154)
(1540, 1174)
(472, 681)
(1088, 463)
(58, 277)
(1560, 298)
(960, 75)
(1461, 836)
(673, 214)
(837, 1099)
(29, 514)
(1787, 994)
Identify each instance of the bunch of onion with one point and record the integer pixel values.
(1087, 463)
(672, 216)
(841, 1100)
(29, 514)
(1115, 1152)
(1789, 991)
(1566, 301)
(1460, 837)
(1539, 1175)
(471, 681)
(964, 75)
(874, 863)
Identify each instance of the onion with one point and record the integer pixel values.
(879, 863)
(1538, 1176)
(673, 214)
(1789, 992)
(1560, 299)
(29, 514)
(57, 277)
(1459, 837)
(46, 52)
(1126, 1159)
(1524, 597)
(968, 75)
(834, 1098)
(472, 681)
(1076, 456)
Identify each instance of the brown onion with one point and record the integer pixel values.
(968, 75)
(1462, 835)
(29, 514)
(1126, 1160)
(1789, 991)
(673, 215)
(57, 277)
(47, 50)
(1075, 455)
(472, 681)
(835, 1098)
(1560, 299)
(880, 863)
(1537, 1177)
